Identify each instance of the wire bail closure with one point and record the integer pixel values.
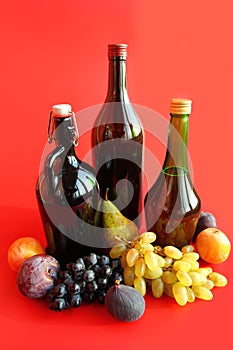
(73, 130)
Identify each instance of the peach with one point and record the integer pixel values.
(213, 245)
(22, 249)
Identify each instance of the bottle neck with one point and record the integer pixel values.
(176, 156)
(117, 80)
(64, 132)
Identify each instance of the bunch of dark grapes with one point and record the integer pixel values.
(87, 278)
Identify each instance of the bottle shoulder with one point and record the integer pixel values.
(117, 120)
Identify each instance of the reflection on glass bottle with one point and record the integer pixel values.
(172, 206)
(67, 192)
(117, 140)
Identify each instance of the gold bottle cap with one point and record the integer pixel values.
(180, 106)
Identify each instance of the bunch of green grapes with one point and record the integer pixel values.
(167, 270)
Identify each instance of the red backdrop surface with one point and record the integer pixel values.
(54, 52)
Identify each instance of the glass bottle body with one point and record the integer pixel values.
(67, 194)
(117, 141)
(172, 205)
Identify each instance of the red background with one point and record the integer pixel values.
(54, 52)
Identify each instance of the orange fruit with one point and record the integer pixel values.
(213, 245)
(22, 249)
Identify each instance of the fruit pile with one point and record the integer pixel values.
(121, 280)
(167, 270)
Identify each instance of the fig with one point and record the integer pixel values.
(37, 275)
(124, 302)
(205, 220)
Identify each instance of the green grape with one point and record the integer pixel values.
(208, 284)
(148, 237)
(117, 251)
(132, 256)
(161, 260)
(151, 260)
(184, 278)
(140, 267)
(152, 274)
(181, 265)
(143, 247)
(191, 295)
(168, 261)
(128, 275)
(169, 277)
(168, 290)
(140, 285)
(123, 260)
(194, 265)
(197, 278)
(173, 252)
(218, 279)
(187, 248)
(202, 293)
(180, 293)
(205, 270)
(191, 256)
(157, 287)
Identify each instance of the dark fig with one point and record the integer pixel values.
(205, 220)
(124, 302)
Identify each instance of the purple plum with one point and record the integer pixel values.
(37, 275)
(205, 220)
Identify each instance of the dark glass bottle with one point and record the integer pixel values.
(172, 206)
(67, 191)
(117, 140)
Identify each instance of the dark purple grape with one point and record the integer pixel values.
(97, 269)
(65, 274)
(89, 297)
(78, 275)
(78, 266)
(116, 276)
(75, 300)
(59, 290)
(74, 288)
(58, 304)
(115, 264)
(104, 260)
(102, 283)
(89, 275)
(68, 281)
(100, 296)
(82, 285)
(90, 260)
(91, 287)
(106, 271)
(37, 275)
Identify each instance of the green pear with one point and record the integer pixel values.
(117, 226)
(98, 214)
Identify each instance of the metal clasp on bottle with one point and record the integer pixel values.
(73, 129)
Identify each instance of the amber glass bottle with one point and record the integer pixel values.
(172, 206)
(67, 191)
(117, 140)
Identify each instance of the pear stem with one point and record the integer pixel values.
(106, 194)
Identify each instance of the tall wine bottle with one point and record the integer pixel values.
(117, 140)
(172, 206)
(67, 191)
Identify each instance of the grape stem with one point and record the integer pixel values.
(129, 244)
